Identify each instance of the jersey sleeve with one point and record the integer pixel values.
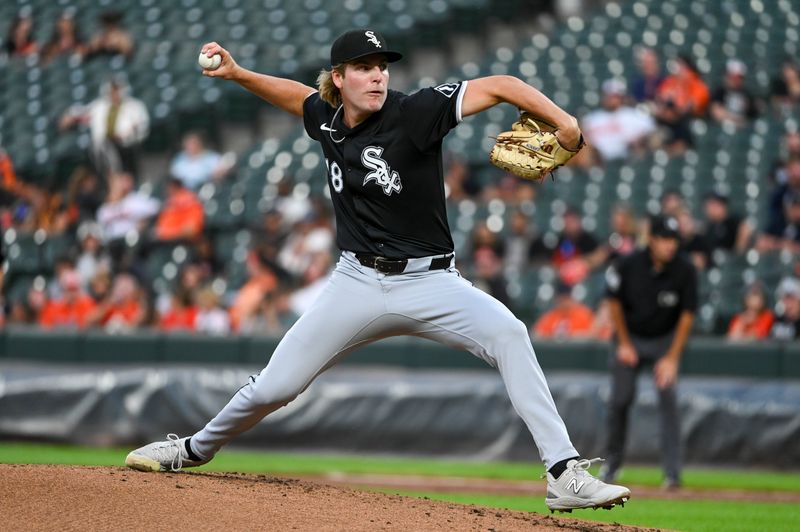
(314, 114)
(429, 114)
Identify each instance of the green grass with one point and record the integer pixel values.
(308, 464)
(711, 516)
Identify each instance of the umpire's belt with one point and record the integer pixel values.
(395, 266)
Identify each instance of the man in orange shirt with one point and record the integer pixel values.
(568, 319)
(124, 309)
(681, 97)
(182, 215)
(72, 310)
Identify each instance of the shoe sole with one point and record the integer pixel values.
(142, 463)
(606, 505)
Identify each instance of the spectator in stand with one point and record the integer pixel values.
(124, 213)
(112, 38)
(574, 252)
(723, 229)
(118, 123)
(782, 203)
(20, 42)
(100, 286)
(623, 238)
(181, 217)
(457, 183)
(671, 203)
(9, 186)
(309, 237)
(268, 240)
(73, 309)
(274, 316)
(65, 38)
(182, 313)
(755, 320)
(518, 241)
(791, 150)
(790, 239)
(84, 196)
(92, 258)
(488, 274)
(191, 278)
(787, 319)
(61, 265)
(211, 318)
(261, 281)
(315, 279)
(617, 131)
(28, 310)
(785, 89)
(645, 85)
(567, 319)
(733, 102)
(511, 190)
(680, 97)
(195, 165)
(684, 89)
(485, 238)
(125, 308)
(692, 243)
(293, 207)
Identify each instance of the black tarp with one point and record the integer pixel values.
(459, 413)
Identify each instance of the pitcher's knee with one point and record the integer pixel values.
(268, 392)
(511, 332)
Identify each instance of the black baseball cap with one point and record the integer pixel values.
(664, 226)
(355, 44)
(717, 196)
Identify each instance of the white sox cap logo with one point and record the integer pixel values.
(371, 38)
(383, 176)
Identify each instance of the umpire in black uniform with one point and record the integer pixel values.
(653, 297)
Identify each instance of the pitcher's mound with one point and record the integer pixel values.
(49, 497)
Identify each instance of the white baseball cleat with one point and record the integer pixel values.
(576, 488)
(170, 455)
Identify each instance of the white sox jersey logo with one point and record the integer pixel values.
(371, 38)
(383, 176)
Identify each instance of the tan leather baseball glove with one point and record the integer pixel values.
(531, 149)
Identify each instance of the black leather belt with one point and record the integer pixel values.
(395, 266)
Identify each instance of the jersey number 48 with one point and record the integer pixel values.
(336, 175)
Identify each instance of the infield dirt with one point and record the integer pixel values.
(51, 497)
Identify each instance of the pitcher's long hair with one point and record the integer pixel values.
(328, 91)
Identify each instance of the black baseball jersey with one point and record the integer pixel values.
(651, 300)
(385, 174)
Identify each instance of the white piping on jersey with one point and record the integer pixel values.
(459, 100)
(333, 121)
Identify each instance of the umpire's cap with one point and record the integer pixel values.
(664, 226)
(355, 44)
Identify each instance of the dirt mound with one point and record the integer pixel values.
(39, 497)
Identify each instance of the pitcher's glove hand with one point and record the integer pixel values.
(531, 149)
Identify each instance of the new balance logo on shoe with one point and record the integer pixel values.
(575, 485)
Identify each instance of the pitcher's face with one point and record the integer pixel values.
(364, 84)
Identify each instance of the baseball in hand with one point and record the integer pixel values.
(209, 63)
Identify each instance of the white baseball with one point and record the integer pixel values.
(209, 63)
